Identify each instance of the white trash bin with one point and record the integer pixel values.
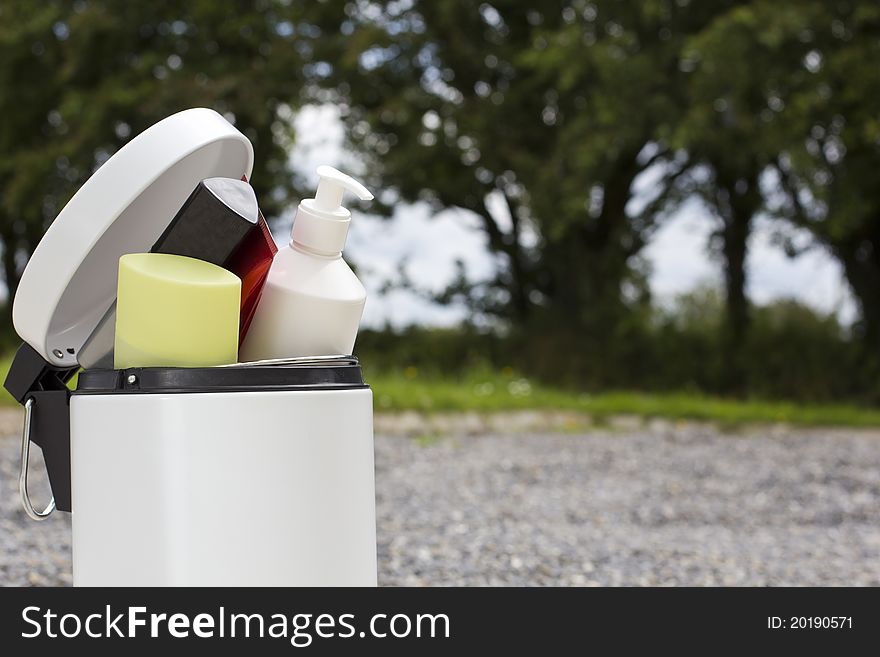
(256, 474)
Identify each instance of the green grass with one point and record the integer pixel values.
(5, 399)
(488, 392)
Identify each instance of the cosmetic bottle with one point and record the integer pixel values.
(312, 301)
(221, 223)
(175, 311)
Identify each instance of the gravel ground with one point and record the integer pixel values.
(634, 505)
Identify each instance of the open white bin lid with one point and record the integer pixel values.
(70, 281)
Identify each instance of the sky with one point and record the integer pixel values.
(430, 243)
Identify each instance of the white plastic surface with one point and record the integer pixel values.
(223, 489)
(312, 302)
(70, 280)
(311, 306)
(321, 223)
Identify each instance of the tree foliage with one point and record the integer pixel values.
(828, 168)
(79, 79)
(569, 128)
(539, 120)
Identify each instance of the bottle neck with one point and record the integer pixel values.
(302, 248)
(319, 232)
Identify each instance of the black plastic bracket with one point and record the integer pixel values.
(32, 377)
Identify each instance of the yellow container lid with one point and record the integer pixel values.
(174, 311)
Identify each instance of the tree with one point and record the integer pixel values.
(539, 121)
(29, 52)
(79, 79)
(829, 169)
(733, 131)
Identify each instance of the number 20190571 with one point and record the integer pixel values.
(809, 623)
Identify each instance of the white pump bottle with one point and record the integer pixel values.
(312, 302)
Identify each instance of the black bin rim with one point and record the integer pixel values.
(320, 373)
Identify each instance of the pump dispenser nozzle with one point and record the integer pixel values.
(332, 183)
(321, 223)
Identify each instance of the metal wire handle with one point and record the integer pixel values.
(23, 475)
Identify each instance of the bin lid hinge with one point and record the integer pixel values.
(32, 378)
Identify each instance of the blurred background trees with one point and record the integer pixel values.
(545, 122)
(79, 79)
(539, 121)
